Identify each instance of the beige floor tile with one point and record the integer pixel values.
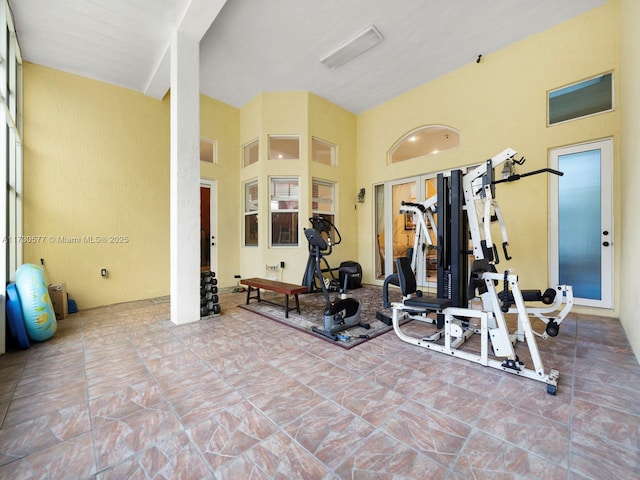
(121, 392)
(485, 456)
(383, 456)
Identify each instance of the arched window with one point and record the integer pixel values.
(426, 140)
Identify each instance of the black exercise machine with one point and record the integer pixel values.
(343, 312)
(349, 273)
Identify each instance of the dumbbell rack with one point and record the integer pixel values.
(209, 294)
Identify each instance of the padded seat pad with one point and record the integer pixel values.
(428, 303)
(531, 295)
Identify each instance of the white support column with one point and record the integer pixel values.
(185, 178)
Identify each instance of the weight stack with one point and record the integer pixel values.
(209, 294)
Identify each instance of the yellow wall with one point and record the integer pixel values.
(252, 260)
(96, 164)
(305, 115)
(332, 124)
(498, 103)
(221, 122)
(629, 153)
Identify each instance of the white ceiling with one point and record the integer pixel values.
(257, 45)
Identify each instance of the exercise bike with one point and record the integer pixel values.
(341, 314)
(349, 273)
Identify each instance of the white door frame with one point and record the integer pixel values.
(419, 181)
(213, 241)
(606, 215)
(388, 219)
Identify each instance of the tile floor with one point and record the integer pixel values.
(121, 392)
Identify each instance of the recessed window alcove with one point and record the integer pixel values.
(425, 140)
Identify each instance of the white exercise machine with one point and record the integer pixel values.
(424, 221)
(468, 305)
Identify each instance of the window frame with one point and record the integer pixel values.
(295, 212)
(11, 118)
(246, 152)
(333, 152)
(448, 131)
(11, 146)
(575, 87)
(282, 138)
(251, 211)
(330, 213)
(214, 150)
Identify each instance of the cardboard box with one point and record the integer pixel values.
(58, 294)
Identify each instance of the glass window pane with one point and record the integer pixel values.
(284, 147)
(431, 252)
(251, 197)
(379, 226)
(322, 197)
(284, 204)
(403, 223)
(251, 213)
(323, 152)
(207, 150)
(284, 230)
(251, 153)
(424, 141)
(579, 225)
(581, 99)
(251, 230)
(284, 189)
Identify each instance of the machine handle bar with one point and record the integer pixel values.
(504, 249)
(419, 206)
(517, 176)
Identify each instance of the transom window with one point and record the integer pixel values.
(208, 151)
(427, 140)
(250, 153)
(284, 147)
(581, 99)
(323, 152)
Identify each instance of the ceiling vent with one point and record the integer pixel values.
(354, 47)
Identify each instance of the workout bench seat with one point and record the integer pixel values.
(274, 286)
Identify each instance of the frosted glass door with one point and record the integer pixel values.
(581, 246)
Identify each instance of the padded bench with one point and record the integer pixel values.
(274, 286)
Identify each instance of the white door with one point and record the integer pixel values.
(581, 222)
(208, 239)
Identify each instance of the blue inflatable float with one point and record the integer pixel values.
(37, 309)
(14, 315)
